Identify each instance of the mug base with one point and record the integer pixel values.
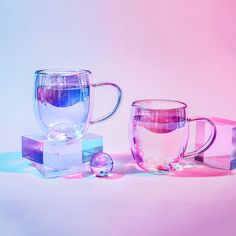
(160, 170)
(62, 137)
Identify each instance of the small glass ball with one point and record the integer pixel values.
(101, 164)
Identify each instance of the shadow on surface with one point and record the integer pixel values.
(201, 170)
(124, 164)
(14, 163)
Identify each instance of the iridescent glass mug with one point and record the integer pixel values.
(64, 102)
(159, 132)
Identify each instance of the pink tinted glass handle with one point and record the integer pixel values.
(210, 140)
(119, 96)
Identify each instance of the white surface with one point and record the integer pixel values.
(130, 204)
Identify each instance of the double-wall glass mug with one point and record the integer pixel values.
(159, 132)
(64, 102)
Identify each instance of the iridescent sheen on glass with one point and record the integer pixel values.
(222, 153)
(101, 164)
(159, 131)
(64, 102)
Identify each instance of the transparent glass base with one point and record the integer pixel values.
(160, 170)
(222, 154)
(53, 159)
(64, 132)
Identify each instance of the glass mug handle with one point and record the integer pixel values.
(210, 140)
(119, 96)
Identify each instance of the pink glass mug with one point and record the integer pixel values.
(159, 132)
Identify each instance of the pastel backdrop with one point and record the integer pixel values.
(175, 49)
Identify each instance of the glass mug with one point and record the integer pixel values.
(159, 131)
(64, 102)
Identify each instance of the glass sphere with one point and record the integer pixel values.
(101, 164)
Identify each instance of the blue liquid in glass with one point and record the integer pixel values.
(63, 110)
(60, 96)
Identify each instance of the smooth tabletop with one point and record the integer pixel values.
(195, 201)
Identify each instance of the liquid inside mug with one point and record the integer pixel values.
(64, 102)
(159, 131)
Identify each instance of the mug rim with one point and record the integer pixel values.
(62, 72)
(181, 104)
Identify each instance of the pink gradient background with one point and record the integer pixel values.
(173, 49)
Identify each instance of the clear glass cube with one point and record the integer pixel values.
(53, 159)
(222, 153)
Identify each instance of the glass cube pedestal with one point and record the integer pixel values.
(54, 159)
(222, 153)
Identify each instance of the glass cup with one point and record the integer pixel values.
(64, 102)
(159, 132)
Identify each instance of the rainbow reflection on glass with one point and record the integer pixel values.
(64, 102)
(159, 131)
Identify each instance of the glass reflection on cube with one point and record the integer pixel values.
(54, 159)
(222, 153)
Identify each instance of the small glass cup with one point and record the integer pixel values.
(159, 132)
(64, 102)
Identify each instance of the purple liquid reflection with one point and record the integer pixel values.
(62, 96)
(160, 121)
